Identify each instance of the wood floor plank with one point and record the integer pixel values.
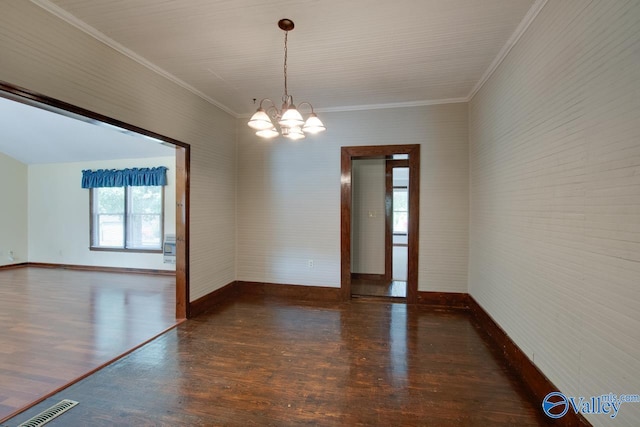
(266, 362)
(59, 325)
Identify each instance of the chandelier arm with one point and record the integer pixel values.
(273, 104)
(306, 103)
(273, 112)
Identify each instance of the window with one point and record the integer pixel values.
(127, 218)
(400, 210)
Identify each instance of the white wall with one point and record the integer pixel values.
(555, 198)
(289, 196)
(368, 188)
(59, 215)
(13, 210)
(46, 55)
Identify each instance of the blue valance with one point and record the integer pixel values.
(136, 177)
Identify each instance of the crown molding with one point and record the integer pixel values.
(379, 106)
(86, 28)
(422, 103)
(533, 11)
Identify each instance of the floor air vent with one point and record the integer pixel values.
(45, 416)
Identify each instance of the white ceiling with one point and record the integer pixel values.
(33, 135)
(343, 54)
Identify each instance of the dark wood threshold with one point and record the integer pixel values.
(535, 381)
(367, 276)
(378, 298)
(208, 302)
(447, 300)
(101, 269)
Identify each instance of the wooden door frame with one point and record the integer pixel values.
(348, 154)
(183, 155)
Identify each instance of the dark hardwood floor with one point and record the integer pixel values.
(260, 361)
(59, 325)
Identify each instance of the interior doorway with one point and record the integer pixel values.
(182, 165)
(379, 221)
(397, 223)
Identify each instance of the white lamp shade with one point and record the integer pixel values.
(291, 118)
(294, 133)
(260, 120)
(268, 133)
(313, 124)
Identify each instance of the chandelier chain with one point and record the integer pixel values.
(286, 91)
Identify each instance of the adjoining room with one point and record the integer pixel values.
(83, 275)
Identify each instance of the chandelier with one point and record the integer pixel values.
(289, 119)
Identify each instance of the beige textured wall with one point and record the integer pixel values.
(43, 53)
(13, 210)
(289, 196)
(555, 198)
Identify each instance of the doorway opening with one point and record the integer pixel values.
(397, 223)
(182, 165)
(379, 221)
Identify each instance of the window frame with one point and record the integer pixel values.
(92, 225)
(393, 209)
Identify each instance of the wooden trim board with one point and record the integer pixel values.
(536, 382)
(446, 300)
(293, 292)
(208, 302)
(101, 269)
(12, 266)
